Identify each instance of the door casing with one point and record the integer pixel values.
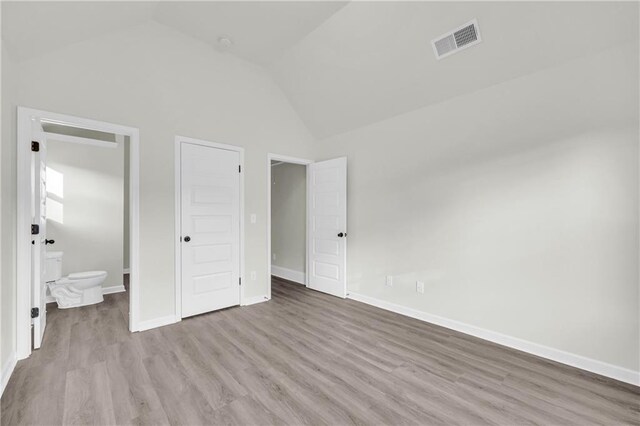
(179, 140)
(23, 219)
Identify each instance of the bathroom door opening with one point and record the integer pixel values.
(85, 217)
(35, 130)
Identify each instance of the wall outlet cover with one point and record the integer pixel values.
(420, 287)
(389, 281)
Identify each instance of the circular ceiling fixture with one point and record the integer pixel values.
(225, 42)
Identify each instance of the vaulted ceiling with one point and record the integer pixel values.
(346, 65)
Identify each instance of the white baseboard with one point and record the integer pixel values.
(155, 323)
(113, 289)
(105, 290)
(288, 274)
(7, 370)
(253, 300)
(578, 361)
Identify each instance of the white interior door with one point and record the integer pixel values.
(210, 228)
(39, 218)
(327, 242)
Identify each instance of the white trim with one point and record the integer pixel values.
(80, 140)
(7, 371)
(113, 289)
(289, 274)
(23, 211)
(257, 299)
(574, 360)
(126, 271)
(177, 279)
(178, 267)
(105, 290)
(157, 322)
(292, 160)
(134, 229)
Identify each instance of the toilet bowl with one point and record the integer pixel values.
(76, 289)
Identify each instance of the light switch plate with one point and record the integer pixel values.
(389, 281)
(254, 218)
(253, 275)
(420, 287)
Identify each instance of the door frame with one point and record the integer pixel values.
(291, 160)
(179, 140)
(23, 218)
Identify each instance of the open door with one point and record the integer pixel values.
(327, 227)
(38, 231)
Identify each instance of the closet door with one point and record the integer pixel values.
(210, 228)
(327, 227)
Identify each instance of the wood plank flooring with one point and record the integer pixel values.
(301, 358)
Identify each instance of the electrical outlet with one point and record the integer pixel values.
(253, 275)
(420, 287)
(389, 281)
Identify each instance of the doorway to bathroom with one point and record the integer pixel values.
(77, 205)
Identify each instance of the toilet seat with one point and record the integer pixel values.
(85, 275)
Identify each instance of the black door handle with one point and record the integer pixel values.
(49, 242)
(342, 234)
(187, 239)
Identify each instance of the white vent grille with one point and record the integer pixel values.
(459, 39)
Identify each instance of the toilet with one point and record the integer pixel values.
(77, 289)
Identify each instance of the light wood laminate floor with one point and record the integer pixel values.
(302, 358)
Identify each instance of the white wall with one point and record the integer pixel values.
(92, 230)
(165, 83)
(517, 205)
(289, 216)
(8, 214)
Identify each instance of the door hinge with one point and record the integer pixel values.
(35, 229)
(240, 280)
(239, 169)
(35, 146)
(35, 312)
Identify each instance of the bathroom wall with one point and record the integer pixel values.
(288, 218)
(87, 219)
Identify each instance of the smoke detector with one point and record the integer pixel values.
(464, 36)
(224, 42)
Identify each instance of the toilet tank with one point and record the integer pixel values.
(53, 266)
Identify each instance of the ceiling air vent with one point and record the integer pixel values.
(454, 41)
